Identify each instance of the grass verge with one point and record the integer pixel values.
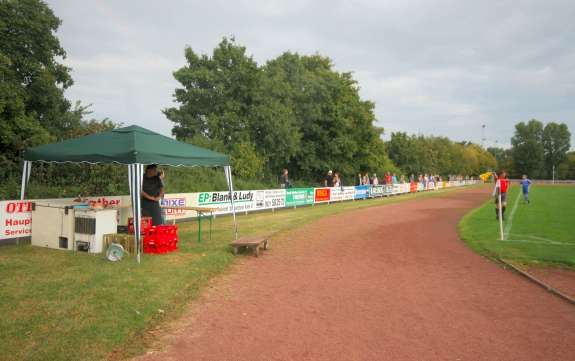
(58, 305)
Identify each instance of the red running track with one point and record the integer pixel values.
(385, 283)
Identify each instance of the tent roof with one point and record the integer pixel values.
(127, 145)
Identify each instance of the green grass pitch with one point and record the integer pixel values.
(541, 232)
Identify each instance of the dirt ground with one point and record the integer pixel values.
(386, 283)
(560, 278)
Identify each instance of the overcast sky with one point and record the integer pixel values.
(431, 67)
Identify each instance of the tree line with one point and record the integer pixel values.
(294, 111)
(438, 155)
(538, 150)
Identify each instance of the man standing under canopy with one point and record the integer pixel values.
(152, 192)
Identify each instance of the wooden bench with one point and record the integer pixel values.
(252, 242)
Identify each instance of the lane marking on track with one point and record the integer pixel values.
(509, 223)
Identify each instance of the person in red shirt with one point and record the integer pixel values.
(502, 188)
(387, 178)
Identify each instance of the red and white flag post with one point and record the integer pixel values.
(499, 207)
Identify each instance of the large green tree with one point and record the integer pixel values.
(216, 95)
(566, 170)
(528, 153)
(32, 104)
(294, 111)
(333, 126)
(556, 143)
(216, 102)
(403, 151)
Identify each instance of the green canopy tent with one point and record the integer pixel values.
(133, 146)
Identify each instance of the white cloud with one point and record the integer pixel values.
(443, 67)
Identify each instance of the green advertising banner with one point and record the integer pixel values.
(298, 197)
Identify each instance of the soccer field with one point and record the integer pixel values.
(540, 232)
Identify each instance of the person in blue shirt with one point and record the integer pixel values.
(525, 183)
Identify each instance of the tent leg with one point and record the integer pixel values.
(135, 173)
(228, 173)
(25, 178)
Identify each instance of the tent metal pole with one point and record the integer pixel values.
(135, 174)
(25, 178)
(228, 173)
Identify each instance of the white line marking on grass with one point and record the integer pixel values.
(509, 223)
(542, 242)
(538, 240)
(533, 237)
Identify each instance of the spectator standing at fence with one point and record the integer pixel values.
(374, 180)
(388, 178)
(359, 179)
(328, 181)
(525, 183)
(336, 179)
(284, 179)
(340, 180)
(394, 179)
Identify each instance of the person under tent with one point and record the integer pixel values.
(152, 193)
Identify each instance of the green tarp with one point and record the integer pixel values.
(127, 145)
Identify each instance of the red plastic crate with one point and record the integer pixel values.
(161, 239)
(145, 224)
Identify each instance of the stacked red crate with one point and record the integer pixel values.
(161, 239)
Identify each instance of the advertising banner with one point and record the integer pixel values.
(16, 218)
(342, 194)
(361, 192)
(376, 191)
(388, 189)
(321, 195)
(179, 200)
(298, 197)
(244, 201)
(270, 198)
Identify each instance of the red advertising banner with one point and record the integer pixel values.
(16, 218)
(321, 195)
